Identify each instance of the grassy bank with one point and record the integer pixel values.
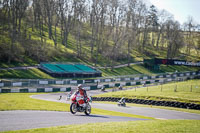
(24, 74)
(151, 106)
(158, 126)
(140, 69)
(187, 92)
(131, 70)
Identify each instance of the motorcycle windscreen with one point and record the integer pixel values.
(73, 97)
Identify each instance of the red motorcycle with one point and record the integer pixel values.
(80, 104)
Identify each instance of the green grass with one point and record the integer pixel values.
(114, 113)
(170, 68)
(150, 106)
(131, 70)
(22, 101)
(165, 92)
(24, 74)
(156, 126)
(140, 69)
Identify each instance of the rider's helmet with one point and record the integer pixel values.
(80, 87)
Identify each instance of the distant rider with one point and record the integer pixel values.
(122, 100)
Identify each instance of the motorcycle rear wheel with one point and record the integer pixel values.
(73, 108)
(88, 110)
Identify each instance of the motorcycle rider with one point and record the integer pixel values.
(80, 101)
(122, 101)
(81, 91)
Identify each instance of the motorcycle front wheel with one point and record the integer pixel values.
(73, 108)
(88, 110)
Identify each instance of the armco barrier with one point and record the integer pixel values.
(151, 102)
(117, 84)
(1, 84)
(136, 81)
(40, 89)
(25, 83)
(56, 89)
(49, 90)
(23, 91)
(5, 90)
(92, 87)
(33, 90)
(15, 90)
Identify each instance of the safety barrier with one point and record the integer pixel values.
(34, 90)
(151, 102)
(22, 83)
(107, 83)
(94, 87)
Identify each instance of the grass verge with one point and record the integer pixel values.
(187, 92)
(131, 70)
(158, 126)
(24, 74)
(159, 107)
(22, 101)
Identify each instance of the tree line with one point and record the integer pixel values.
(112, 28)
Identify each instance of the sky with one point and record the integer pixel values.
(181, 9)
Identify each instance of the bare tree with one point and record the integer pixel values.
(66, 13)
(48, 6)
(189, 29)
(153, 22)
(97, 23)
(163, 17)
(16, 10)
(174, 38)
(79, 8)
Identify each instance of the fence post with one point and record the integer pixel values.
(38, 82)
(175, 89)
(191, 89)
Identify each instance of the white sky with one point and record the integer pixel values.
(181, 9)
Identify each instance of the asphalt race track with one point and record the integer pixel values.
(145, 111)
(19, 120)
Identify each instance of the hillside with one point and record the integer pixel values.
(131, 70)
(31, 51)
(28, 36)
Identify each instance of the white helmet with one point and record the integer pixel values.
(80, 86)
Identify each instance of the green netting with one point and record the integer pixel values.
(68, 68)
(52, 68)
(85, 68)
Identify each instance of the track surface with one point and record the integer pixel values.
(145, 111)
(19, 120)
